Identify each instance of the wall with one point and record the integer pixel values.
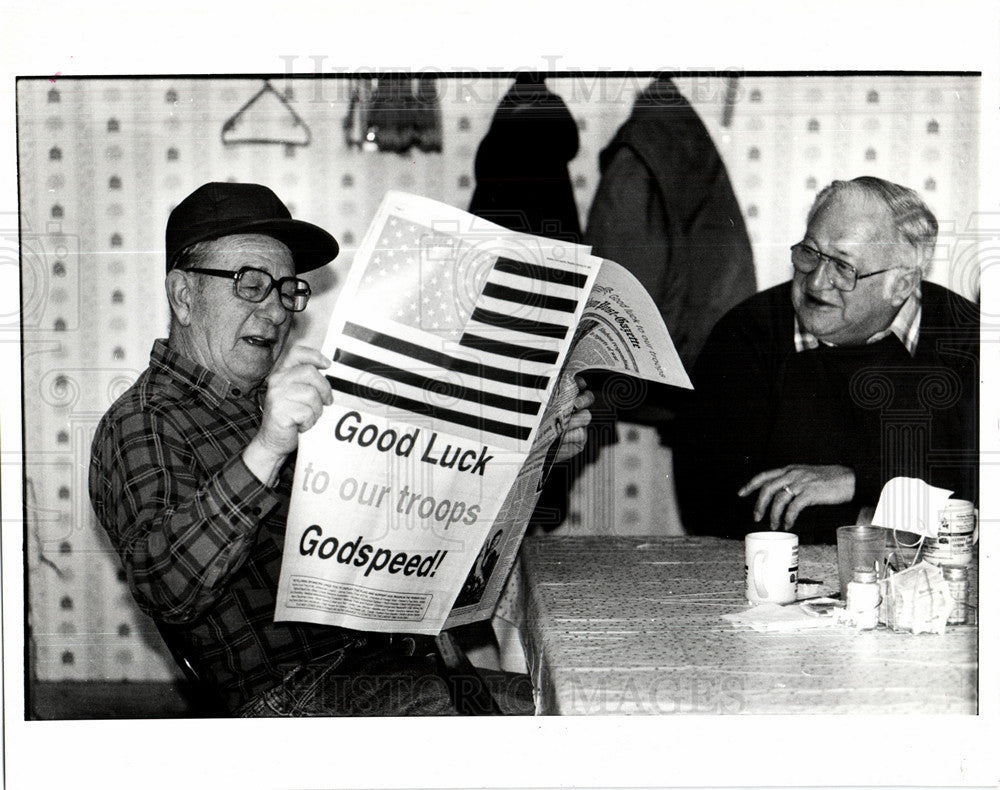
(101, 162)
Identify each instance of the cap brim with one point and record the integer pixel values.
(310, 245)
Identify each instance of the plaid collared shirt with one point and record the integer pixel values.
(905, 326)
(199, 535)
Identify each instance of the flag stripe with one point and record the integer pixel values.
(514, 324)
(435, 386)
(468, 367)
(520, 432)
(417, 395)
(522, 311)
(543, 301)
(524, 284)
(548, 274)
(349, 344)
(525, 353)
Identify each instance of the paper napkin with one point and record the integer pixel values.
(911, 505)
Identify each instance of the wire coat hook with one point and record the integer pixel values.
(256, 117)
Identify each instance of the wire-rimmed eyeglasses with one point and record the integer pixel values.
(843, 276)
(253, 285)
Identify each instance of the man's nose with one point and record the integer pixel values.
(819, 279)
(272, 308)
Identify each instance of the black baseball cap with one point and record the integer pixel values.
(221, 209)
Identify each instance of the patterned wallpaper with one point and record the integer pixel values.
(102, 161)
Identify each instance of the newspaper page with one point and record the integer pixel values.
(446, 341)
(621, 330)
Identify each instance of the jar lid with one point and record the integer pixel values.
(865, 576)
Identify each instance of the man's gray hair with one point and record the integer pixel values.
(914, 222)
(193, 256)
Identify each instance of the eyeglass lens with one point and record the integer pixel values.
(807, 260)
(254, 285)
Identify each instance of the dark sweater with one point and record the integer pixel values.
(760, 405)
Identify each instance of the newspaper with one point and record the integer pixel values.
(454, 343)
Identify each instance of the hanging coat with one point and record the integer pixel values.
(522, 173)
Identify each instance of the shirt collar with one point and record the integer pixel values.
(190, 374)
(905, 326)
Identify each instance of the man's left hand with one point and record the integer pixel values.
(574, 436)
(789, 489)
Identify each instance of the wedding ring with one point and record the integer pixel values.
(790, 492)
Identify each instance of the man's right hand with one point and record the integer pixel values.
(296, 395)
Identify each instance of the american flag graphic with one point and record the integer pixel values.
(472, 341)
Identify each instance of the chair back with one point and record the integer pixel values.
(205, 699)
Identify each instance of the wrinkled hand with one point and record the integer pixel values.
(574, 437)
(789, 489)
(296, 395)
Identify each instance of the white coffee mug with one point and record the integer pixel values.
(772, 567)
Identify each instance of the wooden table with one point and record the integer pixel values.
(632, 625)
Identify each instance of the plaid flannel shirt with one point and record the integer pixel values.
(199, 535)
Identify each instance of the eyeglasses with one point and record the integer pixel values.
(844, 276)
(254, 285)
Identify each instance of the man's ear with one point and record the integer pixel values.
(180, 292)
(905, 284)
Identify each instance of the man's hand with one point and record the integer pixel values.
(789, 489)
(574, 436)
(296, 395)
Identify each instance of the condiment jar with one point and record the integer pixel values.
(957, 577)
(863, 598)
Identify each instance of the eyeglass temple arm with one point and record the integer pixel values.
(214, 272)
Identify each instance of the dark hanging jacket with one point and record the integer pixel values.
(522, 173)
(666, 211)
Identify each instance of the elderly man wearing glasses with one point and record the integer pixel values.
(809, 396)
(191, 473)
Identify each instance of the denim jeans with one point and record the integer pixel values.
(402, 681)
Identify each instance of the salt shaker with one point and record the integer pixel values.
(863, 598)
(957, 577)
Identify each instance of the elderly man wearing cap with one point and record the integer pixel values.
(191, 472)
